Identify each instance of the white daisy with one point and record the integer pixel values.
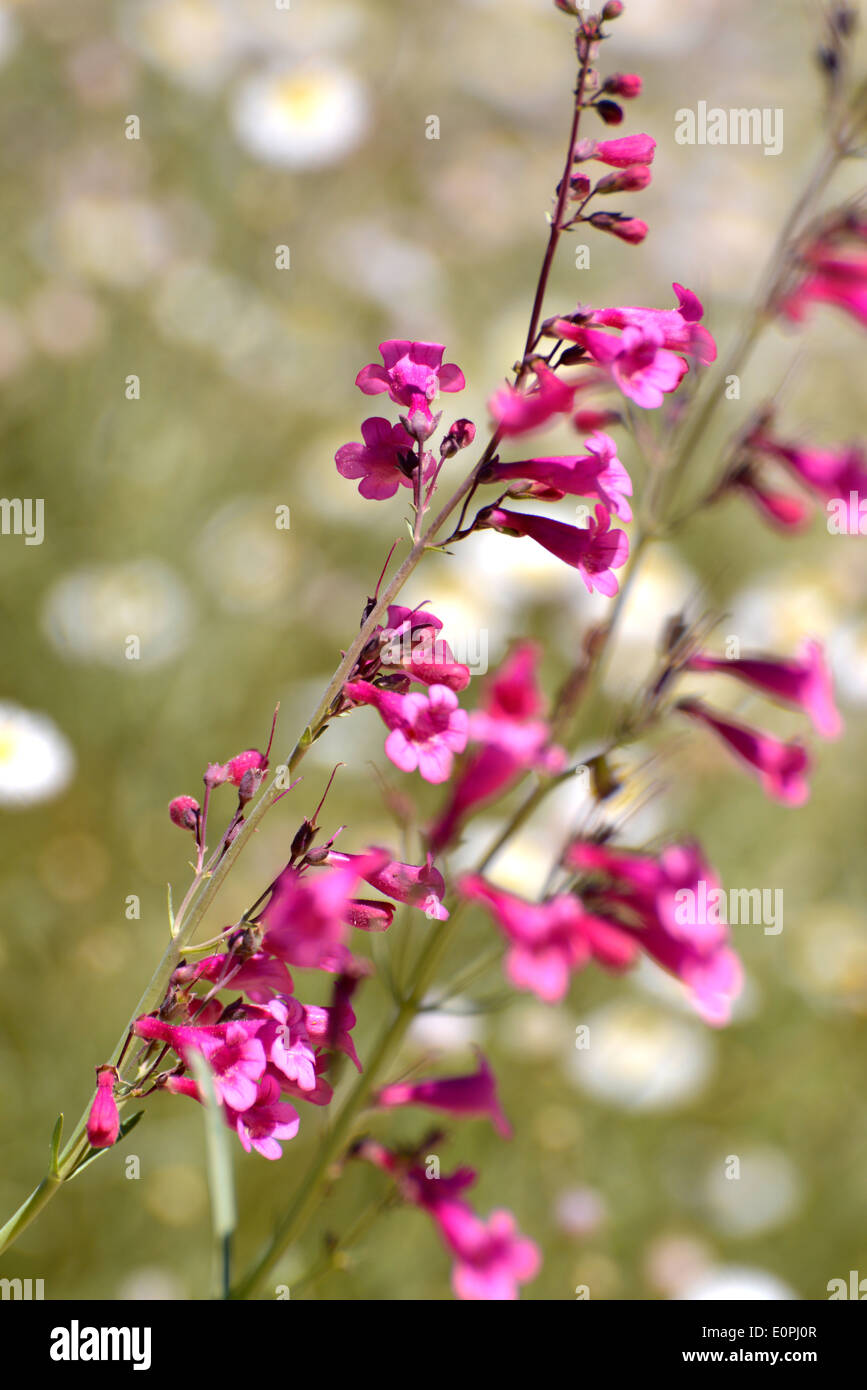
(302, 117)
(36, 760)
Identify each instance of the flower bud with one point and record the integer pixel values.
(630, 180)
(460, 435)
(611, 113)
(250, 784)
(238, 766)
(623, 84)
(613, 9)
(216, 774)
(185, 811)
(103, 1122)
(630, 229)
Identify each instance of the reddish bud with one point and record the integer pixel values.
(103, 1122)
(623, 84)
(238, 766)
(630, 229)
(588, 420)
(184, 811)
(630, 180)
(461, 434)
(613, 9)
(216, 774)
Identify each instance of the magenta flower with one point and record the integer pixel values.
(475, 1094)
(378, 462)
(233, 1052)
(638, 362)
(103, 1121)
(830, 277)
(287, 1043)
(548, 941)
(785, 512)
(833, 474)
(368, 914)
(805, 683)
(421, 885)
(330, 1026)
(512, 737)
(259, 975)
(629, 229)
(425, 730)
(693, 945)
(518, 412)
(626, 150)
(681, 328)
(306, 916)
(594, 551)
(781, 767)
(412, 374)
(424, 656)
(598, 473)
(263, 1124)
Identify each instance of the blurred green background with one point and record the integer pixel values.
(306, 128)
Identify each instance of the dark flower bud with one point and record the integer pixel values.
(611, 113)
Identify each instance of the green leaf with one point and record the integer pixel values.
(54, 1147)
(218, 1153)
(127, 1126)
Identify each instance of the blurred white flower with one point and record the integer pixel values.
(196, 42)
(766, 1192)
(36, 759)
(735, 1283)
(848, 653)
(580, 1211)
(640, 1058)
(302, 117)
(92, 613)
(117, 241)
(446, 1030)
(246, 560)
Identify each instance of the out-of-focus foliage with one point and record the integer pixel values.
(155, 257)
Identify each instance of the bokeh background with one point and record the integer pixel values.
(306, 128)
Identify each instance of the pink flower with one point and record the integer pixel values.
(666, 898)
(781, 767)
(475, 1094)
(329, 1026)
(594, 551)
(287, 1043)
(491, 1259)
(598, 473)
(306, 916)
(631, 180)
(626, 150)
(518, 412)
(368, 914)
(833, 474)
(425, 730)
(378, 461)
(258, 975)
(425, 657)
(233, 1052)
(805, 683)
(830, 278)
(623, 84)
(637, 361)
(264, 1123)
(412, 374)
(681, 328)
(549, 940)
(103, 1121)
(783, 511)
(421, 885)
